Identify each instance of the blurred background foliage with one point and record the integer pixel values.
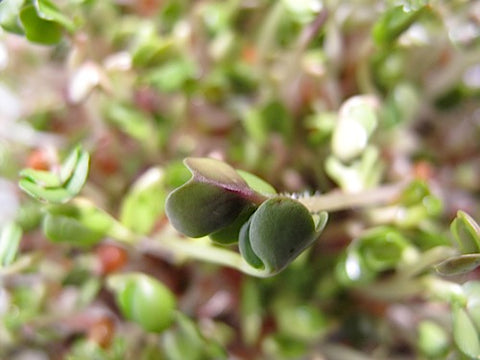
(311, 96)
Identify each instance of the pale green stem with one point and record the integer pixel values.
(23, 263)
(335, 201)
(170, 241)
(266, 39)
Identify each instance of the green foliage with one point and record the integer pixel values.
(144, 300)
(364, 110)
(61, 187)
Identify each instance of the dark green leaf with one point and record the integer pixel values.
(279, 230)
(198, 209)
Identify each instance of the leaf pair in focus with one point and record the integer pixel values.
(233, 206)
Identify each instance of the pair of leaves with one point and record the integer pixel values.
(57, 188)
(466, 233)
(233, 206)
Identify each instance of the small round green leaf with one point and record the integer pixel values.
(278, 232)
(144, 300)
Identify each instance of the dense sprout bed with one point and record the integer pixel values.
(239, 179)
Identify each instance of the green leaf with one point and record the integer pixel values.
(272, 117)
(220, 174)
(144, 203)
(459, 264)
(212, 199)
(433, 340)
(279, 230)
(198, 209)
(186, 341)
(465, 334)
(466, 232)
(381, 248)
(172, 76)
(68, 165)
(10, 236)
(9, 11)
(133, 122)
(230, 233)
(53, 195)
(79, 175)
(144, 300)
(42, 178)
(257, 184)
(47, 10)
(393, 23)
(69, 230)
(38, 30)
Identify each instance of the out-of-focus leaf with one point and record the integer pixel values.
(144, 203)
(301, 322)
(47, 10)
(393, 23)
(187, 342)
(133, 122)
(356, 122)
(49, 187)
(144, 300)
(171, 76)
(459, 264)
(465, 334)
(272, 117)
(251, 310)
(42, 178)
(433, 341)
(69, 230)
(38, 30)
(77, 179)
(381, 248)
(466, 232)
(9, 12)
(53, 195)
(10, 236)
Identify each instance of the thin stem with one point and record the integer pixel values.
(335, 201)
(169, 242)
